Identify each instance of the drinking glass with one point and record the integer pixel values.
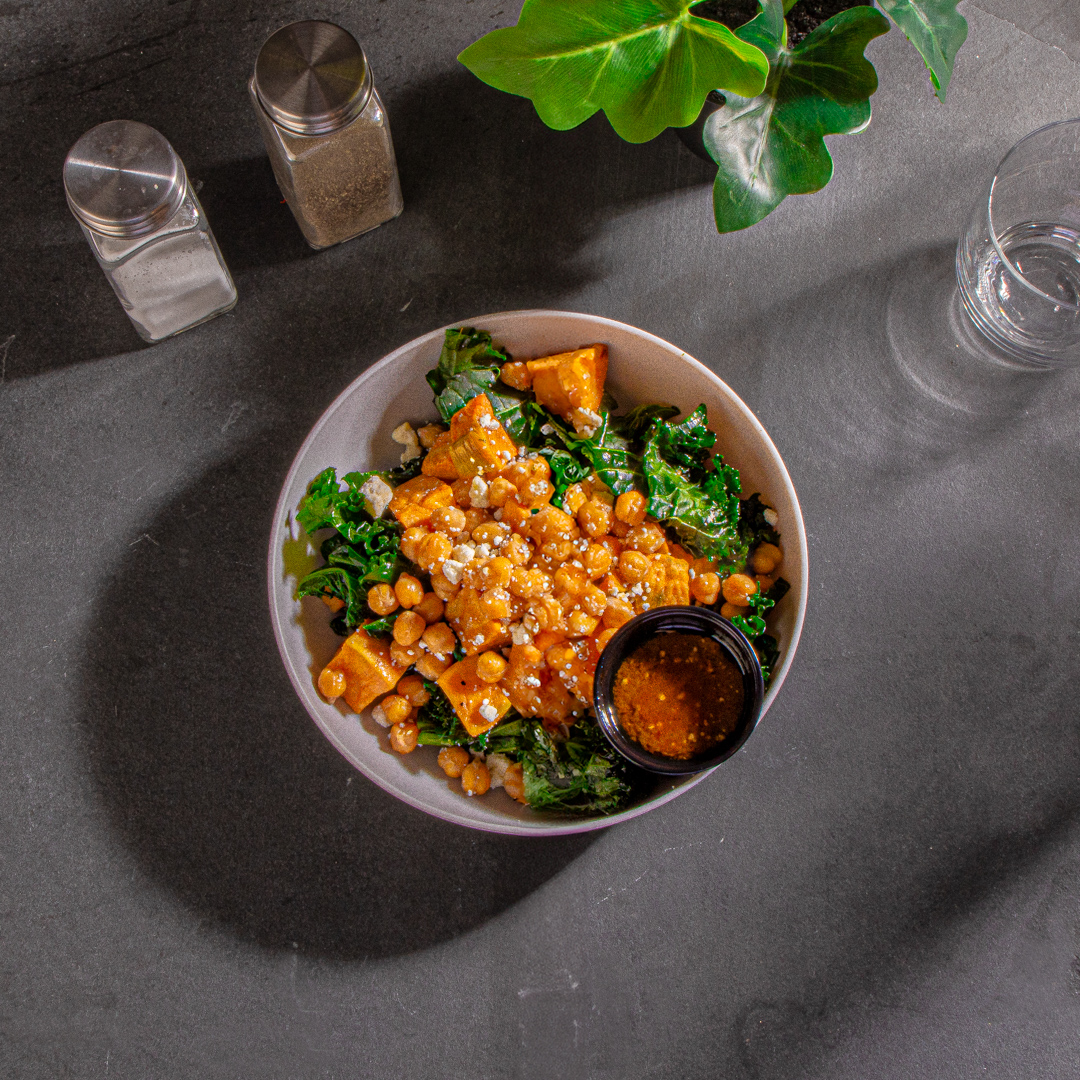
(1018, 263)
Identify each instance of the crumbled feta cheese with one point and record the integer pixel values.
(377, 494)
(498, 541)
(531, 680)
(463, 553)
(693, 573)
(489, 712)
(585, 422)
(498, 514)
(483, 551)
(451, 570)
(519, 635)
(379, 716)
(530, 623)
(478, 492)
(489, 422)
(547, 429)
(478, 640)
(405, 435)
(497, 765)
(771, 516)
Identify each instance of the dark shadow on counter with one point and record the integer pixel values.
(494, 200)
(223, 788)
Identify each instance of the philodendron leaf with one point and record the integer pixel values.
(772, 145)
(647, 63)
(936, 29)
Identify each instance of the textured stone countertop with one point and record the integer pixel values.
(885, 883)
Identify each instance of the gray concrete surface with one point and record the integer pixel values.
(884, 884)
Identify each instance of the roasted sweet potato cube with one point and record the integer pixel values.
(438, 462)
(478, 442)
(479, 705)
(668, 581)
(572, 380)
(369, 671)
(416, 500)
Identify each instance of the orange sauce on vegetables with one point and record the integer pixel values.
(679, 695)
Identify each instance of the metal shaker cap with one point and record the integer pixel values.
(312, 77)
(122, 178)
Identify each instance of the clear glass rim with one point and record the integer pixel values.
(1006, 261)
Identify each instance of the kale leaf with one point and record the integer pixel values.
(469, 365)
(693, 492)
(361, 549)
(753, 527)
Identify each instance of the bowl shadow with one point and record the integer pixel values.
(223, 789)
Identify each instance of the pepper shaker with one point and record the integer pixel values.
(326, 132)
(130, 194)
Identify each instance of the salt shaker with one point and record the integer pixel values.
(326, 132)
(129, 192)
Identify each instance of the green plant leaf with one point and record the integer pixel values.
(936, 29)
(772, 145)
(647, 63)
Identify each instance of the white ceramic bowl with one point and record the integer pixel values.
(354, 433)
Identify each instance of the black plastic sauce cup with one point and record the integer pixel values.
(703, 622)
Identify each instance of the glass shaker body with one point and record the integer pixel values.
(163, 262)
(326, 132)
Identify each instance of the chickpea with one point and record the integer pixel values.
(525, 470)
(499, 490)
(617, 612)
(595, 517)
(630, 507)
(439, 639)
(490, 667)
(488, 532)
(382, 599)
(475, 778)
(574, 498)
(403, 737)
(764, 583)
(604, 637)
(453, 759)
(396, 708)
(475, 517)
(557, 551)
(619, 529)
(449, 519)
(516, 373)
(610, 585)
(648, 537)
(408, 590)
(434, 551)
(428, 434)
(551, 523)
(430, 608)
(570, 581)
(767, 558)
(404, 655)
(408, 627)
(411, 688)
(581, 623)
(331, 683)
(527, 583)
(455, 606)
(705, 588)
(516, 516)
(729, 611)
(430, 666)
(495, 603)
(497, 572)
(738, 588)
(560, 656)
(703, 566)
(334, 603)
(518, 550)
(593, 601)
(443, 588)
(411, 540)
(597, 560)
(460, 490)
(536, 493)
(514, 782)
(546, 610)
(633, 566)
